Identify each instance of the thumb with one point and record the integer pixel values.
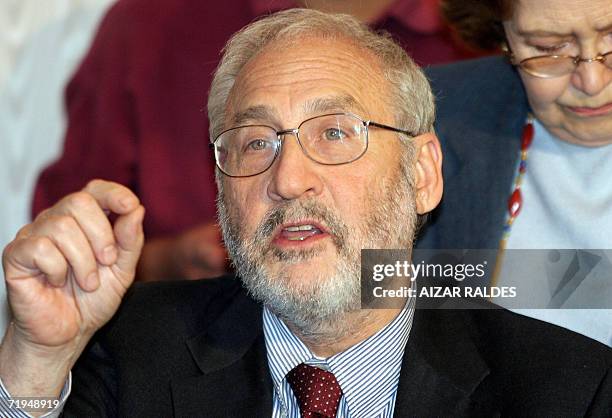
(130, 238)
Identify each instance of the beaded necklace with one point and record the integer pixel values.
(515, 201)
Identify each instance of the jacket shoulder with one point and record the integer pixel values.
(476, 90)
(468, 71)
(543, 363)
(513, 365)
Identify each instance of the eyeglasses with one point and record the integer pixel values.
(550, 66)
(334, 139)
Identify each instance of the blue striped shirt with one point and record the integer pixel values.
(10, 407)
(368, 372)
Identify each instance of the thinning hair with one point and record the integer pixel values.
(411, 99)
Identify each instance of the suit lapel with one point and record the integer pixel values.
(441, 367)
(232, 357)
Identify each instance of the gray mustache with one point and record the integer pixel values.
(302, 210)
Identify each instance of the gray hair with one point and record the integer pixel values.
(411, 98)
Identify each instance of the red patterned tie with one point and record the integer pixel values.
(316, 390)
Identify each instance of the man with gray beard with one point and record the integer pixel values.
(322, 132)
(315, 307)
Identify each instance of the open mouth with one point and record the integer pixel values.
(299, 232)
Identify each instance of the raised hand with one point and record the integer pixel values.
(66, 274)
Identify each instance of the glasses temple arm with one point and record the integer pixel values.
(391, 128)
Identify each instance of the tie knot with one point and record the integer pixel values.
(316, 390)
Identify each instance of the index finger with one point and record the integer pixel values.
(112, 197)
(90, 207)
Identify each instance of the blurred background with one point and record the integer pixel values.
(164, 43)
(41, 43)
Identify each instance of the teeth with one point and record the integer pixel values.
(300, 228)
(296, 238)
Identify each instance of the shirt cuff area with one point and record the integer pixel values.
(18, 407)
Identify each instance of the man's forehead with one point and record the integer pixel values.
(337, 75)
(313, 107)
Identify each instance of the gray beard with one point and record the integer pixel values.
(317, 308)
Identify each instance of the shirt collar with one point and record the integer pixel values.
(368, 372)
(417, 15)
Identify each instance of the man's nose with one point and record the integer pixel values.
(591, 77)
(293, 174)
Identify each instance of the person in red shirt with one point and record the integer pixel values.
(137, 116)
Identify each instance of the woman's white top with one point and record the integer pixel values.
(567, 205)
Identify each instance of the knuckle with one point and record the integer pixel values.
(44, 213)
(80, 200)
(24, 231)
(41, 246)
(7, 250)
(64, 224)
(93, 184)
(42, 217)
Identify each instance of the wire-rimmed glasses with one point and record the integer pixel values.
(331, 139)
(550, 66)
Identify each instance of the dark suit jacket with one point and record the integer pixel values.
(481, 110)
(190, 349)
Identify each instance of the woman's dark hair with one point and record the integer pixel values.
(478, 22)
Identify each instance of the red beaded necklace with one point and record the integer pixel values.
(515, 201)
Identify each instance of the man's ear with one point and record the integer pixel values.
(429, 183)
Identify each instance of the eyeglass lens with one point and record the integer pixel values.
(555, 66)
(329, 139)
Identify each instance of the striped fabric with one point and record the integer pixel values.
(7, 410)
(368, 372)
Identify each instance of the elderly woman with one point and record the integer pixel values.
(528, 151)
